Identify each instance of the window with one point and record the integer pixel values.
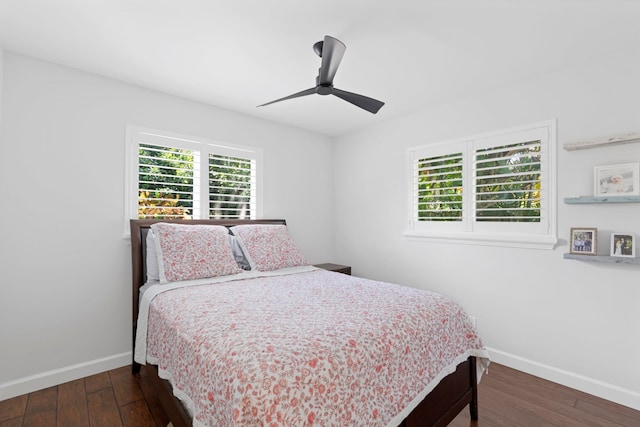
(173, 176)
(496, 188)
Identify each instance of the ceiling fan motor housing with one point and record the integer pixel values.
(324, 89)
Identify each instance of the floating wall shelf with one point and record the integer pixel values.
(589, 199)
(603, 258)
(603, 141)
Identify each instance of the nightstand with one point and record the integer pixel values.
(345, 269)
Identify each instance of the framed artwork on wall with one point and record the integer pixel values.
(584, 241)
(617, 180)
(623, 245)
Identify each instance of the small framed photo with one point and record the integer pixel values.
(623, 245)
(617, 180)
(584, 241)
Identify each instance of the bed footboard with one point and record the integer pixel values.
(171, 405)
(448, 399)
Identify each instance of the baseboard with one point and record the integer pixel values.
(59, 376)
(570, 379)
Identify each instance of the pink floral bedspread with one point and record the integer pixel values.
(312, 348)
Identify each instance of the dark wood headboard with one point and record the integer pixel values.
(139, 230)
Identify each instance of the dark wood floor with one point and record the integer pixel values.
(117, 399)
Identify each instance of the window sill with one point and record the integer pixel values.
(485, 239)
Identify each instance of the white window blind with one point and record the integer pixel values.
(174, 176)
(508, 183)
(167, 178)
(232, 187)
(438, 188)
(497, 188)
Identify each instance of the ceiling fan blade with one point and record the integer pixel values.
(332, 52)
(295, 95)
(364, 102)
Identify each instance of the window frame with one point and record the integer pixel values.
(204, 146)
(541, 235)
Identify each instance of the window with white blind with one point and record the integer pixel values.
(175, 176)
(496, 188)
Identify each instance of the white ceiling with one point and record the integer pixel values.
(237, 54)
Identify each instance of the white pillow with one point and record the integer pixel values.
(239, 256)
(153, 271)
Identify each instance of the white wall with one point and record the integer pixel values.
(65, 287)
(570, 321)
(1, 70)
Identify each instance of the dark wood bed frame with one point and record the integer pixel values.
(439, 407)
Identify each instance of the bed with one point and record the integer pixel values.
(261, 353)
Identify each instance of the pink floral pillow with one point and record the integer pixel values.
(268, 247)
(193, 251)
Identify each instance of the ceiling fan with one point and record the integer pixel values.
(331, 51)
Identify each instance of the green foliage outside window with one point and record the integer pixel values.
(168, 184)
(440, 188)
(165, 182)
(230, 187)
(508, 183)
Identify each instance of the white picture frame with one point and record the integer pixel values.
(617, 180)
(623, 245)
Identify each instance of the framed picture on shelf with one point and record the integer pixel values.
(623, 245)
(617, 180)
(584, 241)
